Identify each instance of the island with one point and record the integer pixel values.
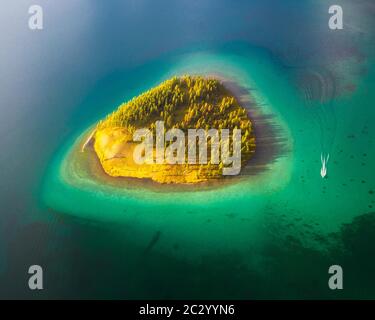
(183, 103)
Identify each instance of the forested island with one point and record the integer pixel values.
(187, 102)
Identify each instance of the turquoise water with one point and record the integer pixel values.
(288, 201)
(272, 235)
(184, 217)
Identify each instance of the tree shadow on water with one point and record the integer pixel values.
(271, 140)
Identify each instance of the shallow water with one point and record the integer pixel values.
(272, 236)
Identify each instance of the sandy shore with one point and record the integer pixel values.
(88, 141)
(271, 143)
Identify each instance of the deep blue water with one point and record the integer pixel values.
(55, 82)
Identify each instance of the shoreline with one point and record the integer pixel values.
(88, 140)
(270, 145)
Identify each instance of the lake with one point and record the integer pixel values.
(274, 235)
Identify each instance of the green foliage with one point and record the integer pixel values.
(186, 102)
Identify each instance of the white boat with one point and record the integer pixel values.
(323, 170)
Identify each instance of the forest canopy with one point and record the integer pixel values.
(187, 102)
